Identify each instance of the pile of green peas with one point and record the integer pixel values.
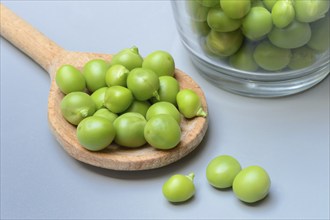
(130, 100)
(250, 184)
(270, 35)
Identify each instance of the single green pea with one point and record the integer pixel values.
(143, 83)
(139, 107)
(98, 97)
(116, 75)
(235, 9)
(270, 57)
(310, 10)
(107, 114)
(222, 170)
(164, 108)
(129, 58)
(302, 57)
(320, 39)
(283, 13)
(224, 44)
(243, 59)
(297, 34)
(69, 79)
(130, 130)
(179, 188)
(251, 184)
(117, 99)
(257, 23)
(160, 62)
(162, 132)
(76, 106)
(189, 104)
(168, 89)
(95, 133)
(219, 21)
(94, 72)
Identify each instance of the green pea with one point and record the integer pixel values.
(143, 83)
(196, 11)
(76, 106)
(302, 57)
(95, 133)
(140, 107)
(69, 79)
(117, 99)
(160, 62)
(320, 39)
(310, 10)
(168, 89)
(94, 72)
(189, 104)
(162, 132)
(295, 35)
(235, 9)
(163, 108)
(98, 97)
(251, 184)
(243, 59)
(179, 188)
(130, 130)
(219, 21)
(224, 44)
(106, 113)
(283, 13)
(222, 170)
(257, 24)
(129, 58)
(116, 75)
(270, 57)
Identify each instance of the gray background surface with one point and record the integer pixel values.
(288, 136)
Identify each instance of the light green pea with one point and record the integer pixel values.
(117, 99)
(76, 106)
(311, 10)
(224, 44)
(189, 104)
(270, 57)
(129, 58)
(179, 188)
(219, 21)
(116, 75)
(295, 35)
(283, 13)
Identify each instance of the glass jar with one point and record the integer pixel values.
(258, 48)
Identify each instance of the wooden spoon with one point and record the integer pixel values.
(50, 57)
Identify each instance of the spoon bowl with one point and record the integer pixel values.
(50, 56)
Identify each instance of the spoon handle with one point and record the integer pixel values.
(29, 40)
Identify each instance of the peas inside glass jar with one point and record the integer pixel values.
(230, 27)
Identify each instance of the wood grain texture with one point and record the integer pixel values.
(50, 56)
